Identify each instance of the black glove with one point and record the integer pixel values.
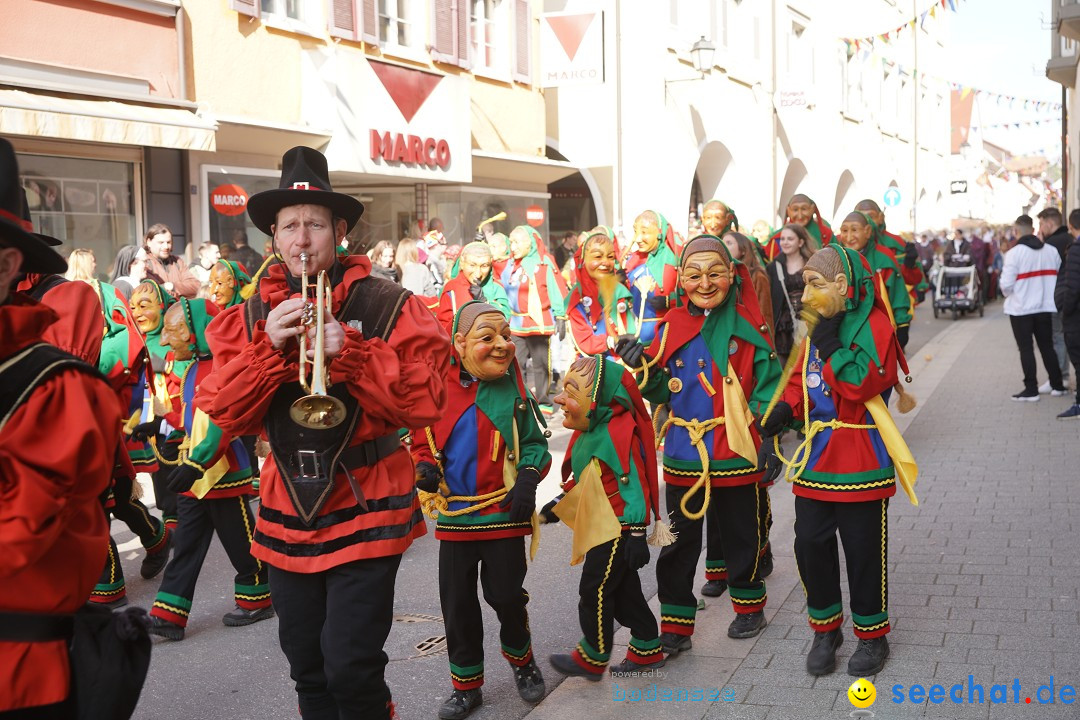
(768, 462)
(902, 335)
(658, 303)
(911, 255)
(637, 551)
(778, 419)
(146, 430)
(620, 275)
(826, 336)
(427, 477)
(522, 497)
(477, 292)
(547, 513)
(630, 350)
(560, 328)
(183, 477)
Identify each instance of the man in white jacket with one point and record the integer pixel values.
(1027, 281)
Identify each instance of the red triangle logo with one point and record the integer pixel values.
(570, 29)
(408, 88)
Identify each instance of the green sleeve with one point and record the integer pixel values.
(767, 373)
(499, 299)
(208, 442)
(656, 389)
(555, 295)
(899, 299)
(633, 497)
(533, 446)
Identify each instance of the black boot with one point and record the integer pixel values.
(629, 666)
(154, 563)
(240, 617)
(821, 660)
(869, 657)
(566, 665)
(530, 682)
(747, 625)
(766, 566)
(674, 643)
(714, 588)
(165, 629)
(460, 704)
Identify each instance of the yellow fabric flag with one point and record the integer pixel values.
(586, 511)
(907, 471)
(536, 310)
(509, 478)
(738, 418)
(200, 424)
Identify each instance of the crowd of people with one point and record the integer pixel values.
(431, 372)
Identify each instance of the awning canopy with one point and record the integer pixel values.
(519, 168)
(103, 121)
(260, 137)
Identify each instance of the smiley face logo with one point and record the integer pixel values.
(862, 693)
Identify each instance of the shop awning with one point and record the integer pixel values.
(103, 121)
(519, 168)
(260, 137)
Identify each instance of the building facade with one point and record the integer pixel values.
(1061, 68)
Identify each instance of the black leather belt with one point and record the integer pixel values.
(34, 627)
(368, 453)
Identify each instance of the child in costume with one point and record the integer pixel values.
(609, 491)
(804, 211)
(212, 479)
(477, 470)
(600, 308)
(859, 233)
(713, 363)
(471, 278)
(537, 297)
(845, 470)
(652, 271)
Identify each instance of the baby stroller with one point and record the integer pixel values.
(957, 289)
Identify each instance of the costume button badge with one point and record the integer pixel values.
(733, 347)
(813, 380)
(674, 385)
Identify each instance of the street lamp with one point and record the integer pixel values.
(701, 55)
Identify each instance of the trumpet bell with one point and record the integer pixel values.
(318, 412)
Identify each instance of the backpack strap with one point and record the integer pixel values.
(23, 372)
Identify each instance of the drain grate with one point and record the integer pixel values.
(416, 618)
(431, 646)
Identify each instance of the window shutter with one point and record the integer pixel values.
(462, 47)
(343, 19)
(245, 7)
(442, 31)
(369, 22)
(522, 71)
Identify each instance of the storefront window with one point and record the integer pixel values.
(389, 214)
(85, 203)
(226, 196)
(463, 209)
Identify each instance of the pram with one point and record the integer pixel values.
(957, 289)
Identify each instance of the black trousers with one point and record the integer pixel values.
(163, 496)
(715, 566)
(863, 529)
(609, 590)
(332, 626)
(231, 519)
(1072, 347)
(133, 513)
(538, 349)
(1039, 327)
(738, 512)
(500, 566)
(65, 710)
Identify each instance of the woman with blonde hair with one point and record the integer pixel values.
(411, 273)
(82, 265)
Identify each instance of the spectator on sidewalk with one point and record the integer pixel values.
(209, 253)
(1053, 232)
(1067, 300)
(169, 271)
(1027, 282)
(244, 254)
(958, 250)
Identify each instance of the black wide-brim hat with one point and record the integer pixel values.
(16, 230)
(305, 180)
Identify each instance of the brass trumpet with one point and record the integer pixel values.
(316, 410)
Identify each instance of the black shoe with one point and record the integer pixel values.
(153, 564)
(530, 682)
(714, 588)
(869, 657)
(460, 704)
(568, 666)
(240, 617)
(1072, 413)
(821, 660)
(674, 643)
(765, 568)
(629, 666)
(747, 625)
(1026, 396)
(165, 629)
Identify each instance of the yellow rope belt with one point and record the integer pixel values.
(805, 446)
(697, 430)
(436, 503)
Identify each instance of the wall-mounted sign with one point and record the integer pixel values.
(892, 197)
(229, 199)
(410, 149)
(958, 186)
(571, 49)
(534, 215)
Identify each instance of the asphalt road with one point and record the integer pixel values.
(241, 674)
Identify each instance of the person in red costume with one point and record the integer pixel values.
(338, 506)
(804, 211)
(59, 429)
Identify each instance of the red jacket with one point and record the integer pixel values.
(56, 459)
(399, 384)
(78, 328)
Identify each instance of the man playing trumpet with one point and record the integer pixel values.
(338, 507)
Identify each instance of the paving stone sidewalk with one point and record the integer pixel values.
(983, 573)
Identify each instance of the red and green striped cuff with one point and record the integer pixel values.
(467, 677)
(677, 619)
(172, 608)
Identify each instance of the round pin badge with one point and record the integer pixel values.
(674, 385)
(733, 347)
(587, 302)
(813, 380)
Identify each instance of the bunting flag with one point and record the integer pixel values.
(1016, 125)
(889, 36)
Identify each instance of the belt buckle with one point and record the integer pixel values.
(308, 459)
